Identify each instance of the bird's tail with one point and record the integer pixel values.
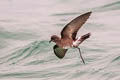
(79, 40)
(84, 37)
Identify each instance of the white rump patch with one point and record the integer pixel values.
(77, 42)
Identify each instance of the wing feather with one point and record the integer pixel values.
(71, 29)
(59, 52)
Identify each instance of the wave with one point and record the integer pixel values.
(32, 49)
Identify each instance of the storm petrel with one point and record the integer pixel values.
(68, 36)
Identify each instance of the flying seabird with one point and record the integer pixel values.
(68, 36)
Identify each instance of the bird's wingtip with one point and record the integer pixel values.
(89, 12)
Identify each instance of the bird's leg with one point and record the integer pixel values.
(81, 55)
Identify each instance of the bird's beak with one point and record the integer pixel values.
(50, 41)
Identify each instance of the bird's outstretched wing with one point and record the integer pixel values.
(59, 52)
(71, 29)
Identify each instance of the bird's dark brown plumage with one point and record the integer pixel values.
(59, 50)
(71, 29)
(68, 34)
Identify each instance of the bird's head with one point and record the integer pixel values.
(54, 38)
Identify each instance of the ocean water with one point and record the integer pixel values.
(27, 25)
